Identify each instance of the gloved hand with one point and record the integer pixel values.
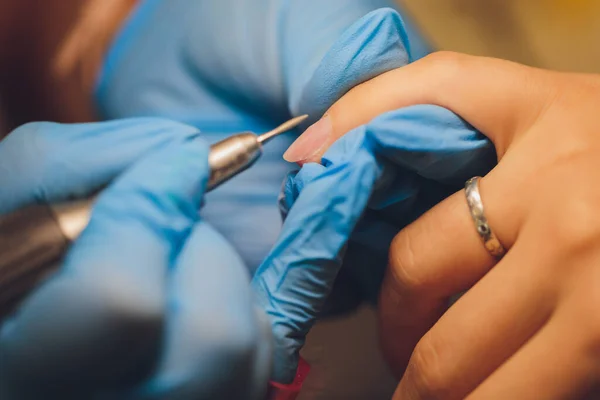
(370, 183)
(229, 65)
(150, 302)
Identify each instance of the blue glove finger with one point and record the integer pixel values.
(47, 162)
(368, 47)
(442, 151)
(420, 145)
(214, 346)
(386, 162)
(294, 281)
(432, 142)
(427, 152)
(423, 149)
(98, 321)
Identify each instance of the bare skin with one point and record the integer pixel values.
(528, 326)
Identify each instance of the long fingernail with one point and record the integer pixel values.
(310, 142)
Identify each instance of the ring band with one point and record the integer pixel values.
(490, 241)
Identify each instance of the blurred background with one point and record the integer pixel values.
(555, 34)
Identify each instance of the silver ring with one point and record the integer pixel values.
(490, 241)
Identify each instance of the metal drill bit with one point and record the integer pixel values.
(236, 153)
(286, 126)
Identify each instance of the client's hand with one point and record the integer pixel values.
(527, 326)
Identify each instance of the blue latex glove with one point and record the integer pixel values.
(373, 181)
(227, 65)
(150, 302)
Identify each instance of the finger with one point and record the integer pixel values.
(498, 97)
(565, 366)
(482, 330)
(419, 281)
(213, 341)
(294, 281)
(425, 151)
(99, 319)
(363, 40)
(47, 162)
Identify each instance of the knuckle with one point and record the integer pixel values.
(424, 372)
(444, 57)
(587, 85)
(403, 267)
(445, 63)
(576, 228)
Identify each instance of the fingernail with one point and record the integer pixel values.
(314, 139)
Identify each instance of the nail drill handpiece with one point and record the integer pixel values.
(34, 239)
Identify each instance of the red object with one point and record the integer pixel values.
(279, 391)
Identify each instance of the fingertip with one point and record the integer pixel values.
(312, 143)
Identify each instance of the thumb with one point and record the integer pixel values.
(500, 98)
(107, 302)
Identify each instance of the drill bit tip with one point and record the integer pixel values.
(285, 127)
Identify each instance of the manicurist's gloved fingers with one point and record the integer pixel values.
(436, 79)
(99, 320)
(294, 281)
(216, 345)
(48, 162)
(364, 42)
(328, 200)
